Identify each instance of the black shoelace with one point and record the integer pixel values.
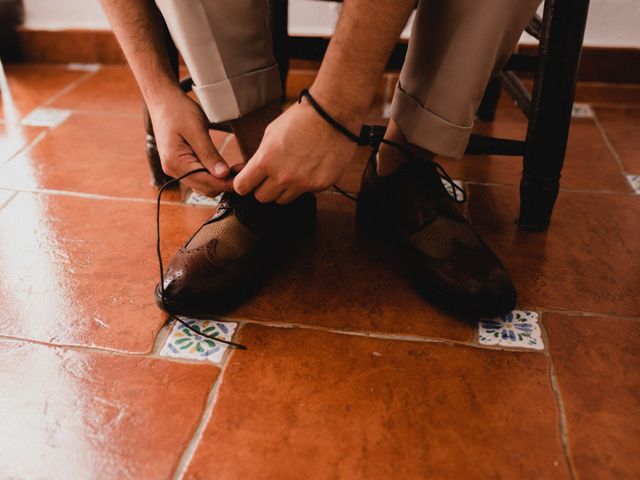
(167, 308)
(368, 136)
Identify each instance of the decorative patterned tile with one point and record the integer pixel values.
(183, 343)
(634, 180)
(517, 329)
(194, 198)
(449, 188)
(83, 67)
(582, 110)
(46, 117)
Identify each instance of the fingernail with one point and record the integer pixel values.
(220, 169)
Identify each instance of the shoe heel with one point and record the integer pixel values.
(307, 218)
(366, 218)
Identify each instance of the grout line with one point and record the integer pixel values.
(70, 86)
(81, 112)
(385, 336)
(615, 106)
(8, 200)
(555, 388)
(73, 346)
(607, 142)
(161, 338)
(212, 398)
(27, 147)
(577, 313)
(564, 433)
(105, 350)
(562, 189)
(96, 196)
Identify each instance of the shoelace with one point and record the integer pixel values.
(366, 138)
(161, 266)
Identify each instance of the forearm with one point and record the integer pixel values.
(136, 24)
(365, 35)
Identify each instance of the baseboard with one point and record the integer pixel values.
(599, 64)
(604, 64)
(69, 46)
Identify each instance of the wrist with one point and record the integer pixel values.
(347, 111)
(159, 93)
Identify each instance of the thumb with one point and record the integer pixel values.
(207, 153)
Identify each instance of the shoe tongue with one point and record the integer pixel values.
(424, 196)
(420, 175)
(254, 215)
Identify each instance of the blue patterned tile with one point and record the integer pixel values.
(634, 181)
(193, 198)
(518, 329)
(183, 343)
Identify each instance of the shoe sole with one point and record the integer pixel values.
(286, 245)
(368, 231)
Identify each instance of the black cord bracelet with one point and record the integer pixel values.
(328, 118)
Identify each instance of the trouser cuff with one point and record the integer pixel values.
(425, 129)
(235, 97)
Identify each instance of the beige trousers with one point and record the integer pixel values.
(455, 47)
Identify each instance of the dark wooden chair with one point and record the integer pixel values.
(548, 106)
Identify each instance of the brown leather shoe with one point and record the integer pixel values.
(231, 253)
(447, 261)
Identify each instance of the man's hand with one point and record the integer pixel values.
(300, 152)
(184, 144)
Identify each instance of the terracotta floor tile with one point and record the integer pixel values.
(112, 89)
(88, 415)
(597, 363)
(82, 271)
(588, 260)
(622, 127)
(303, 404)
(30, 86)
(13, 138)
(589, 165)
(88, 154)
(603, 94)
(336, 281)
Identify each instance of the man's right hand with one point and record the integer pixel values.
(184, 144)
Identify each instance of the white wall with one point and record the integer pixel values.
(611, 22)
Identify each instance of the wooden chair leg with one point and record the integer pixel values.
(487, 109)
(280, 36)
(158, 177)
(552, 99)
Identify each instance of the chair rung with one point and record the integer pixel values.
(516, 89)
(534, 28)
(522, 63)
(482, 145)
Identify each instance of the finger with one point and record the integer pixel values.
(288, 196)
(248, 179)
(208, 155)
(268, 191)
(203, 182)
(237, 168)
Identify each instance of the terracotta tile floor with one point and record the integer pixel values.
(349, 373)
